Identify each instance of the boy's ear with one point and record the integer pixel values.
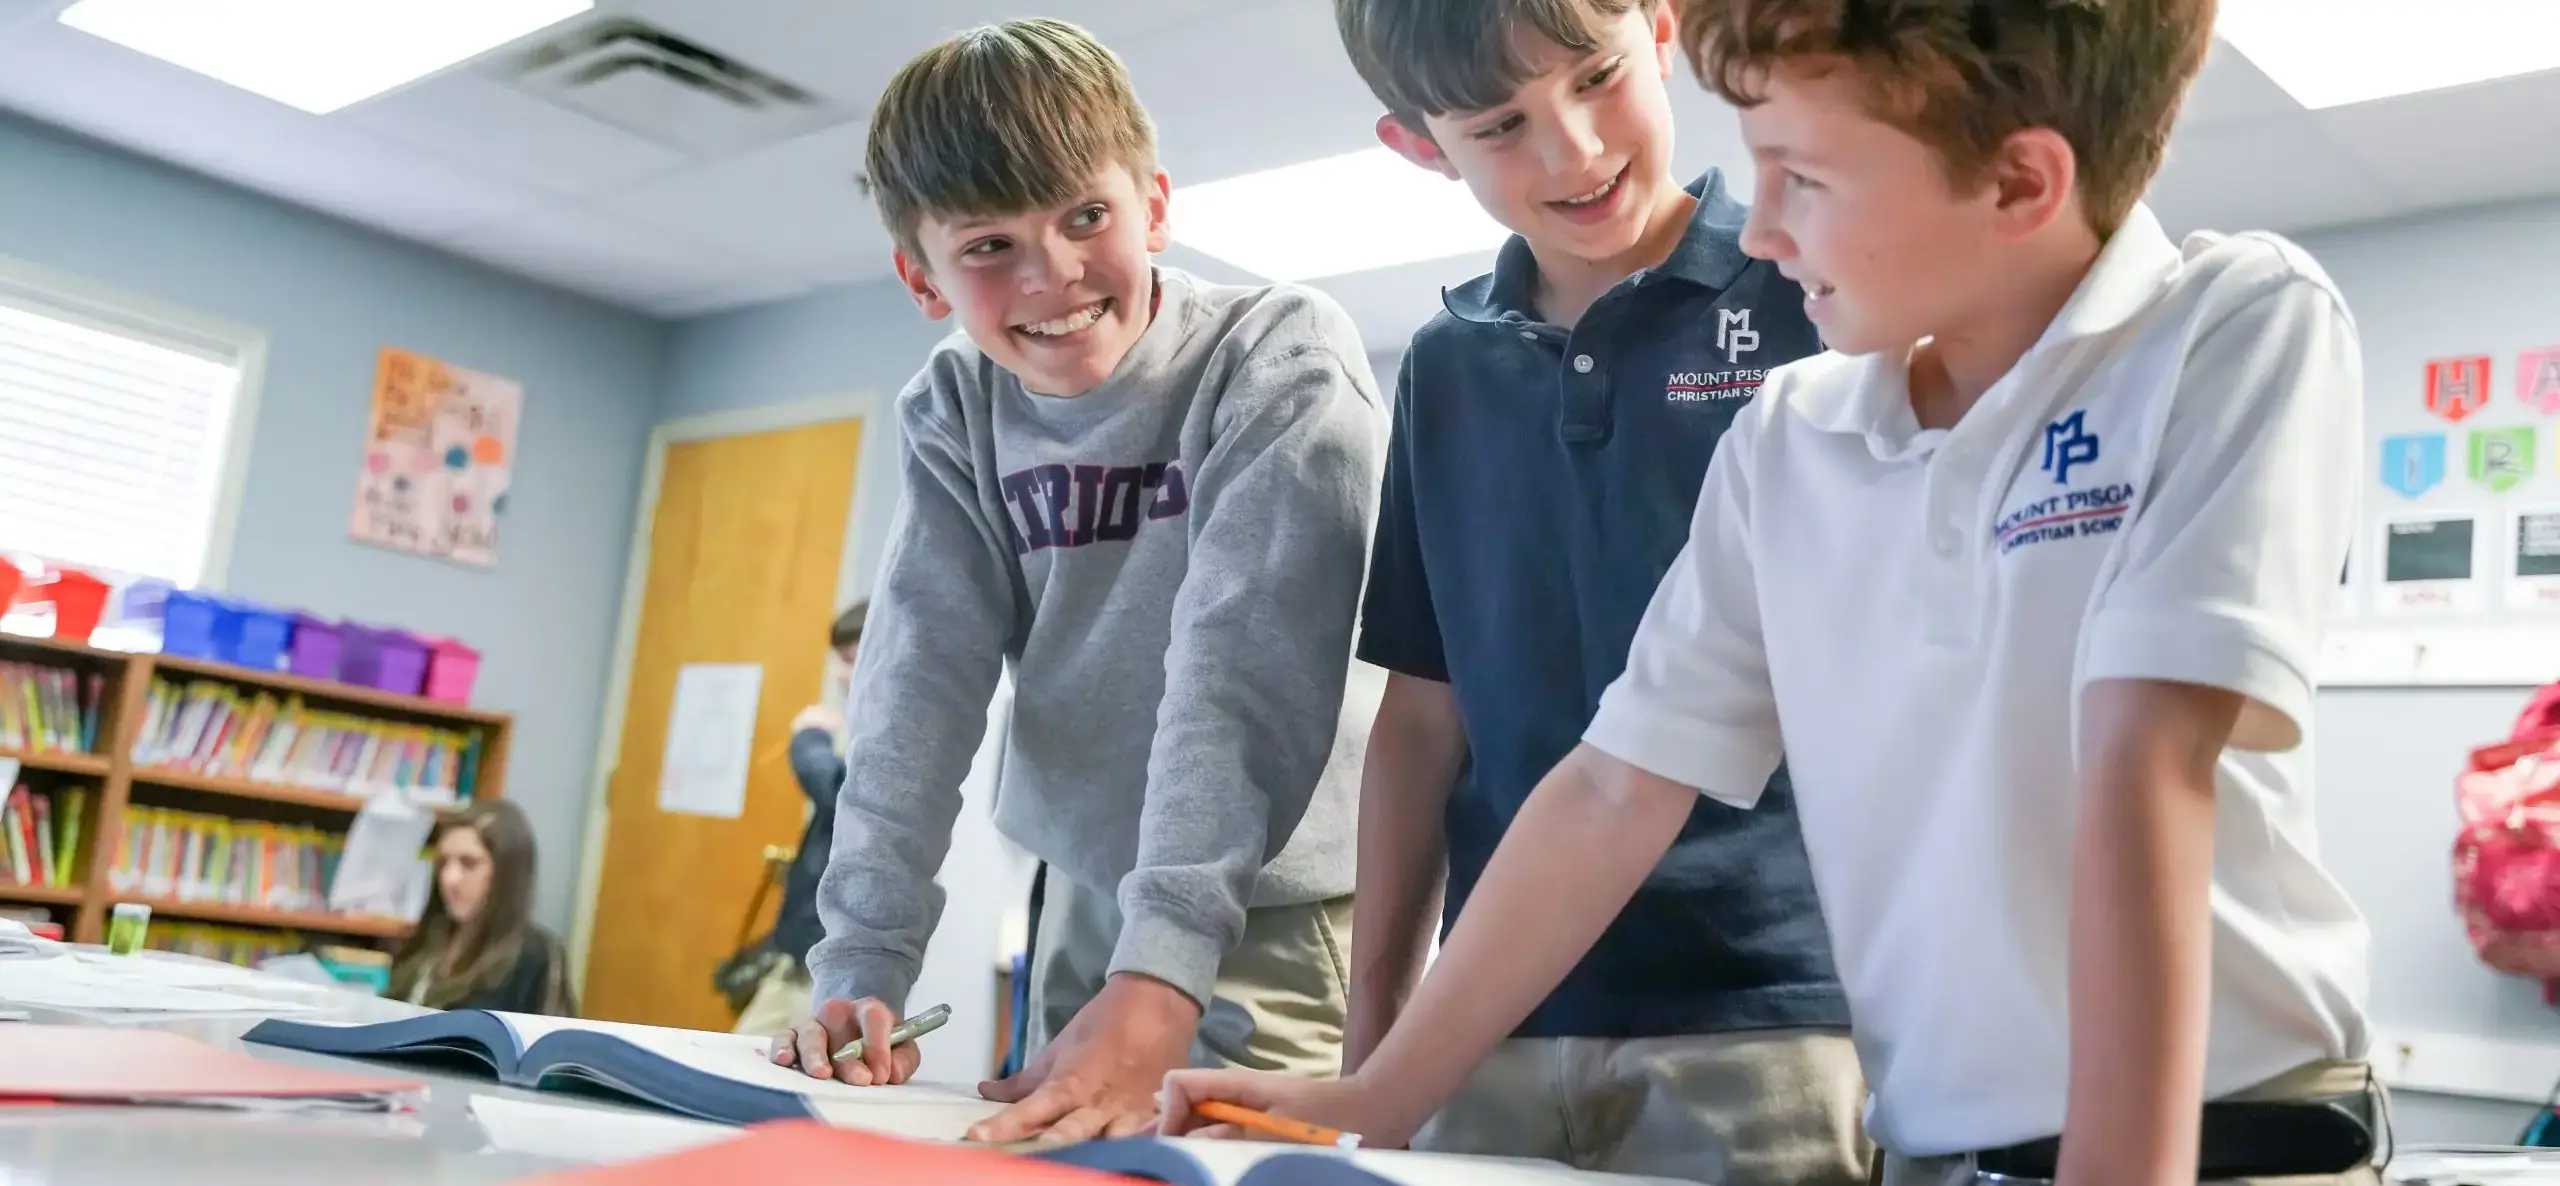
(920, 285)
(1159, 212)
(1415, 146)
(2035, 181)
(1666, 36)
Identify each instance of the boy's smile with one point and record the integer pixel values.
(1056, 296)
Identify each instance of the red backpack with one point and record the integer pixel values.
(2506, 861)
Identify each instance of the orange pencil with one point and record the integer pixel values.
(1275, 1126)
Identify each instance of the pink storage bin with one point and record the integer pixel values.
(451, 667)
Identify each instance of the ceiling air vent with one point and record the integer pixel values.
(656, 84)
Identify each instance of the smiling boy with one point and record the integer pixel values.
(2030, 575)
(1552, 428)
(1149, 497)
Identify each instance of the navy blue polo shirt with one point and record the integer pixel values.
(1538, 486)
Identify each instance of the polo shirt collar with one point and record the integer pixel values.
(1709, 254)
(2136, 265)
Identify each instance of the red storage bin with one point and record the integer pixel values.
(10, 578)
(79, 601)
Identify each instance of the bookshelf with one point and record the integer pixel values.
(121, 784)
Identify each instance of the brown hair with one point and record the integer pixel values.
(848, 627)
(1000, 120)
(483, 952)
(1964, 75)
(1432, 57)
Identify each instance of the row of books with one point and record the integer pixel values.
(49, 709)
(40, 834)
(192, 857)
(213, 728)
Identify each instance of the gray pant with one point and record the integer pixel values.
(1757, 1108)
(1279, 999)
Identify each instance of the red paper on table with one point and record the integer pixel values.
(83, 1063)
(807, 1151)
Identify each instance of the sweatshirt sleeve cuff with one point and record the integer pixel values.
(1152, 945)
(846, 978)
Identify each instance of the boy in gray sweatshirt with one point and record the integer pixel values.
(1150, 497)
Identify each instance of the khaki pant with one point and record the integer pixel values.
(2318, 1080)
(781, 1000)
(1279, 999)
(1756, 1108)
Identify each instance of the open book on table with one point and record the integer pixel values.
(722, 1077)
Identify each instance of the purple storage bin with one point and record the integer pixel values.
(190, 624)
(255, 636)
(315, 647)
(391, 660)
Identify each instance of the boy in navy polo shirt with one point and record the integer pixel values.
(1552, 429)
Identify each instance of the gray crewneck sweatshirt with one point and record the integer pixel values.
(1171, 566)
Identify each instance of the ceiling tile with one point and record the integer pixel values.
(2466, 146)
(795, 205)
(1221, 113)
(2276, 174)
(680, 305)
(847, 52)
(489, 127)
(88, 85)
(593, 252)
(2232, 90)
(335, 168)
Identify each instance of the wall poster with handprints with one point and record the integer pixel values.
(438, 457)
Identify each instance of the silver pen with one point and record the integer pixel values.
(906, 1031)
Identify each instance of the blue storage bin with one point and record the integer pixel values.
(253, 636)
(191, 624)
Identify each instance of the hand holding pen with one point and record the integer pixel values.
(869, 1044)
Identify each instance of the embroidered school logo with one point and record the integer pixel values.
(2073, 514)
(1711, 387)
(2502, 458)
(2068, 442)
(2457, 387)
(1734, 334)
(1071, 506)
(2413, 463)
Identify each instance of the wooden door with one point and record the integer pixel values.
(744, 550)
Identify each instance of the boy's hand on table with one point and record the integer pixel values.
(1099, 1077)
(1352, 1104)
(811, 1044)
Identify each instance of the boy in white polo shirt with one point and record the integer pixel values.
(2030, 577)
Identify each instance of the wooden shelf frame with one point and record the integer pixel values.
(125, 704)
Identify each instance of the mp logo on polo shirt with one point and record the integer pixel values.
(1734, 334)
(2091, 510)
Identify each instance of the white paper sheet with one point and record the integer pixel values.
(381, 857)
(19, 943)
(711, 734)
(127, 985)
(591, 1135)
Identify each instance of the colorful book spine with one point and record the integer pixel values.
(216, 729)
(40, 835)
(48, 709)
(194, 857)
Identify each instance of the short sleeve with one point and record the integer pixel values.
(2230, 564)
(1399, 630)
(1694, 704)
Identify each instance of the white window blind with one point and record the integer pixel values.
(114, 429)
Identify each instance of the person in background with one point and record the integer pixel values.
(817, 760)
(478, 946)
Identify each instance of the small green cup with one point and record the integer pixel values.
(125, 931)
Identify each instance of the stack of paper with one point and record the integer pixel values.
(118, 1065)
(112, 985)
(19, 943)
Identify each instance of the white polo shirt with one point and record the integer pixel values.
(2162, 489)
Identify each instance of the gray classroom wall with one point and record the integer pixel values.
(597, 379)
(329, 296)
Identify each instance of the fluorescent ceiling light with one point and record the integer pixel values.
(2329, 53)
(318, 55)
(1352, 213)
